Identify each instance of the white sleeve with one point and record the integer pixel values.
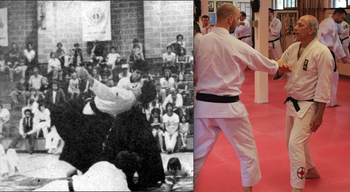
(110, 93)
(179, 100)
(325, 65)
(255, 60)
(277, 27)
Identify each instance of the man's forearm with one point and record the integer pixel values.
(320, 107)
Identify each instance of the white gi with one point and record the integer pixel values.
(221, 60)
(275, 27)
(243, 32)
(102, 176)
(111, 100)
(328, 36)
(344, 38)
(310, 79)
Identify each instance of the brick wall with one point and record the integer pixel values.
(22, 23)
(163, 21)
(127, 24)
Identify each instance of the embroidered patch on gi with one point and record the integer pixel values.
(301, 173)
(306, 62)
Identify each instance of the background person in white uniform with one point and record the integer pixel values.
(344, 39)
(308, 87)
(328, 36)
(275, 27)
(243, 30)
(220, 63)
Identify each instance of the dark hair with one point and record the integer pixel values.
(128, 161)
(169, 46)
(169, 104)
(174, 164)
(113, 47)
(271, 10)
(196, 27)
(340, 11)
(140, 65)
(243, 14)
(135, 41)
(148, 93)
(205, 16)
(76, 44)
(182, 48)
(155, 110)
(182, 117)
(52, 53)
(59, 43)
(27, 110)
(179, 35)
(29, 44)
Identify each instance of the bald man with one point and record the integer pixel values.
(309, 88)
(220, 63)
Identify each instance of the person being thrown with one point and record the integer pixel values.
(113, 100)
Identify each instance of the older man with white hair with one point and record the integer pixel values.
(309, 88)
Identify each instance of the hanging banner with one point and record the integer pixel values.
(96, 20)
(3, 28)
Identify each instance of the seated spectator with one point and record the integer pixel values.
(181, 84)
(96, 53)
(44, 85)
(32, 106)
(65, 83)
(55, 96)
(155, 104)
(157, 127)
(171, 123)
(166, 83)
(22, 89)
(27, 130)
(62, 55)
(73, 88)
(35, 79)
(44, 120)
(137, 50)
(71, 70)
(179, 40)
(184, 130)
(21, 68)
(13, 55)
(104, 78)
(182, 60)
(188, 105)
(4, 68)
(169, 59)
(77, 55)
(125, 72)
(176, 99)
(29, 54)
(176, 45)
(36, 95)
(4, 118)
(112, 58)
(110, 83)
(54, 66)
(95, 74)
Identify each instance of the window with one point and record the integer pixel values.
(245, 7)
(285, 4)
(340, 3)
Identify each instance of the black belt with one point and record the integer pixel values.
(295, 102)
(94, 108)
(341, 40)
(335, 61)
(240, 38)
(70, 185)
(42, 121)
(272, 41)
(216, 98)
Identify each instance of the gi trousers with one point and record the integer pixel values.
(239, 132)
(298, 133)
(276, 50)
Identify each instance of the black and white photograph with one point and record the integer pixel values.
(96, 95)
(210, 6)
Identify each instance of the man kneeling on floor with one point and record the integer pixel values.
(26, 131)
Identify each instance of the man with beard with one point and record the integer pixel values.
(217, 105)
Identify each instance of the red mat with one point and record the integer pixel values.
(330, 146)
